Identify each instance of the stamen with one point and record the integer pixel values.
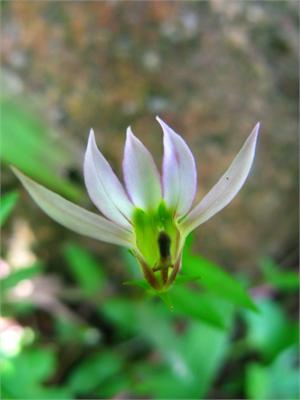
(164, 244)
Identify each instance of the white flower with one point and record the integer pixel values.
(150, 215)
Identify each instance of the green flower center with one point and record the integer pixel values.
(157, 236)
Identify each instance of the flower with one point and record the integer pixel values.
(152, 216)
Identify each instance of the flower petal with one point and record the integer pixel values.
(103, 186)
(140, 174)
(226, 188)
(179, 171)
(75, 217)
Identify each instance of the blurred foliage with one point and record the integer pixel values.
(216, 280)
(27, 144)
(141, 348)
(84, 269)
(270, 331)
(7, 203)
(24, 374)
(285, 281)
(8, 282)
(279, 380)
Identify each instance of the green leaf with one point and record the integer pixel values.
(75, 332)
(131, 263)
(160, 382)
(7, 204)
(27, 143)
(22, 376)
(85, 269)
(205, 348)
(183, 354)
(277, 277)
(270, 331)
(19, 275)
(201, 306)
(181, 279)
(120, 311)
(190, 359)
(93, 371)
(279, 380)
(188, 245)
(141, 283)
(217, 281)
(118, 383)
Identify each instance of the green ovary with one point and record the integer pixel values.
(148, 227)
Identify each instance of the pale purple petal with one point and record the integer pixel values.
(179, 171)
(226, 188)
(103, 186)
(140, 174)
(74, 217)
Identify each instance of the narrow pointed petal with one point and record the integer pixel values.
(179, 171)
(140, 174)
(226, 188)
(103, 186)
(74, 217)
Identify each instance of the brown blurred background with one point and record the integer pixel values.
(210, 69)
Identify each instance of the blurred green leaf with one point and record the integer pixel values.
(118, 383)
(93, 371)
(87, 271)
(159, 382)
(277, 277)
(122, 312)
(217, 280)
(22, 376)
(76, 332)
(19, 275)
(270, 331)
(7, 204)
(184, 278)
(192, 356)
(27, 144)
(199, 305)
(205, 349)
(131, 263)
(279, 380)
(188, 245)
(141, 283)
